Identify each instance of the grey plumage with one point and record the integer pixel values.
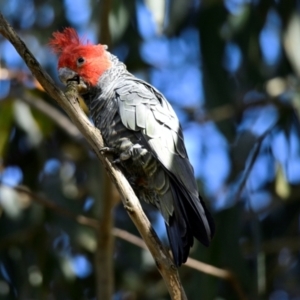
(138, 122)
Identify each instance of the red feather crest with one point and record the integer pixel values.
(61, 40)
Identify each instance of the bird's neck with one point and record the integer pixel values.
(106, 81)
(111, 75)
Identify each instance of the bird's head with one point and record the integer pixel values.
(78, 60)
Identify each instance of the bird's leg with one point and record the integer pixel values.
(125, 150)
(122, 151)
(139, 155)
(108, 150)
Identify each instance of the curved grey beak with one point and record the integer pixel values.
(66, 74)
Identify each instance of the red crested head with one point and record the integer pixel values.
(88, 61)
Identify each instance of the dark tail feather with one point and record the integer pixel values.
(180, 239)
(188, 221)
(209, 218)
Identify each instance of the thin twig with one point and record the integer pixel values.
(45, 202)
(230, 111)
(252, 161)
(54, 114)
(162, 258)
(217, 272)
(129, 237)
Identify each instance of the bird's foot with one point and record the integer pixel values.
(116, 161)
(108, 150)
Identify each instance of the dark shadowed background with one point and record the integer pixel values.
(231, 71)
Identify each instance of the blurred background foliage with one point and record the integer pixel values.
(231, 71)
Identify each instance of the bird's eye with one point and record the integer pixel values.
(80, 61)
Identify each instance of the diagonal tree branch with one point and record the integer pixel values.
(131, 203)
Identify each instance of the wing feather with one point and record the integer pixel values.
(145, 109)
(127, 113)
(153, 128)
(141, 114)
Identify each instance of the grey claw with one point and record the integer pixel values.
(108, 150)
